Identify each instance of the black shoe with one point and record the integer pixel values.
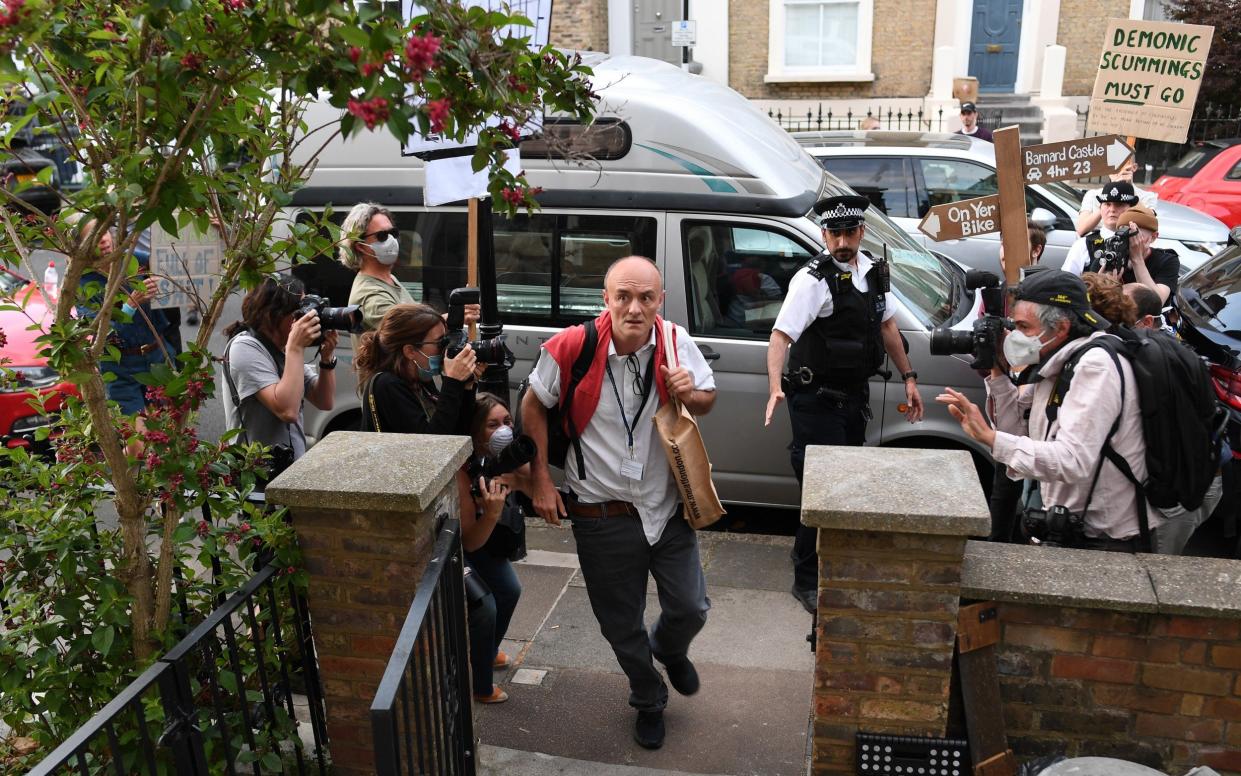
(649, 731)
(809, 599)
(682, 676)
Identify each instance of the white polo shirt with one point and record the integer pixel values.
(809, 298)
(605, 443)
(1079, 255)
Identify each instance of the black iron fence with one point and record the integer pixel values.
(818, 120)
(1210, 122)
(239, 694)
(421, 715)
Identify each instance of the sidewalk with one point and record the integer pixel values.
(567, 713)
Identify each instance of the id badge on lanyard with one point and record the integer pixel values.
(630, 467)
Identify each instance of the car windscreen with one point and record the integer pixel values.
(1193, 161)
(1213, 291)
(919, 279)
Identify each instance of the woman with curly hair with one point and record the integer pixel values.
(1108, 298)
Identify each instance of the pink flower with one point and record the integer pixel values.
(420, 53)
(355, 54)
(191, 61)
(12, 12)
(204, 528)
(510, 129)
(373, 112)
(438, 111)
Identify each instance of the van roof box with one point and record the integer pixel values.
(692, 144)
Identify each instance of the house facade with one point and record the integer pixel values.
(865, 55)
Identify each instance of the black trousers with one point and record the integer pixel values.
(818, 420)
(1005, 505)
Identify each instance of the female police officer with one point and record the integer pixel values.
(837, 318)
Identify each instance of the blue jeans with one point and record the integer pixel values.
(125, 390)
(489, 622)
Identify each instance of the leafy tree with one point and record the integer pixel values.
(188, 113)
(1224, 61)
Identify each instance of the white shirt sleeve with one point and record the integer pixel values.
(545, 379)
(807, 299)
(690, 357)
(1090, 202)
(1075, 261)
(889, 305)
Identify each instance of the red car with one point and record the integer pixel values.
(1208, 179)
(19, 352)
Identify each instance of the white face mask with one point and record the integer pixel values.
(501, 438)
(1021, 349)
(386, 252)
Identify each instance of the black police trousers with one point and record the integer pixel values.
(819, 420)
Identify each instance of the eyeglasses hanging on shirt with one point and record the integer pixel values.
(630, 468)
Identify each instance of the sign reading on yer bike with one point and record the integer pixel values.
(1072, 159)
(966, 218)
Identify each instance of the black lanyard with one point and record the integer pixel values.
(646, 392)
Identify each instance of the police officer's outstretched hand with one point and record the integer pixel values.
(777, 396)
(913, 399)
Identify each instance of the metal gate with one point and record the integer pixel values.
(421, 717)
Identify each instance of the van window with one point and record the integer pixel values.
(738, 277)
(950, 180)
(887, 181)
(549, 268)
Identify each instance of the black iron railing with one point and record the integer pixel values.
(221, 701)
(421, 716)
(819, 120)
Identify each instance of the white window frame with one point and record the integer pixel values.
(859, 71)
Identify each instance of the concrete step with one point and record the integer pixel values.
(500, 761)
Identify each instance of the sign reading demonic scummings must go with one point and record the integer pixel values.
(1149, 75)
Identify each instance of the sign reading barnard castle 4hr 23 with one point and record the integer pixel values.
(1148, 80)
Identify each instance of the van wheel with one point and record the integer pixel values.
(346, 421)
(983, 465)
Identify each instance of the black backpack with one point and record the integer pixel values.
(1181, 422)
(560, 430)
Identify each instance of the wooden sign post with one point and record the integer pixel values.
(1014, 235)
(471, 253)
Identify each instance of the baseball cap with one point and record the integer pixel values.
(968, 107)
(1058, 288)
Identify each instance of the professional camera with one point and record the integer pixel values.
(983, 342)
(1115, 251)
(347, 318)
(489, 351)
(516, 454)
(1055, 527)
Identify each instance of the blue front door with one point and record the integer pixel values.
(994, 40)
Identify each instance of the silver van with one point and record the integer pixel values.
(689, 173)
(906, 173)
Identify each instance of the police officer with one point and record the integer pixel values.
(1156, 268)
(836, 323)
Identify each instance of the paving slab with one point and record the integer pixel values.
(755, 566)
(501, 761)
(745, 629)
(541, 536)
(541, 587)
(740, 723)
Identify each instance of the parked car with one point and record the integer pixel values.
(19, 422)
(691, 174)
(906, 173)
(1209, 305)
(1208, 178)
(21, 163)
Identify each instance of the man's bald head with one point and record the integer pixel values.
(635, 267)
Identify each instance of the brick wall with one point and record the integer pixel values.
(1154, 688)
(903, 42)
(887, 622)
(581, 25)
(1082, 25)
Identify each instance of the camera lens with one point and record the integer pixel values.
(490, 351)
(341, 318)
(946, 342)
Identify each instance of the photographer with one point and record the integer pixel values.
(493, 534)
(397, 365)
(266, 377)
(1133, 259)
(1063, 448)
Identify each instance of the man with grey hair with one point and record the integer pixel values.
(1059, 439)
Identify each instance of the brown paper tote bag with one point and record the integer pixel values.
(687, 455)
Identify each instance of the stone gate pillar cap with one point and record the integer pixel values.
(893, 490)
(353, 470)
